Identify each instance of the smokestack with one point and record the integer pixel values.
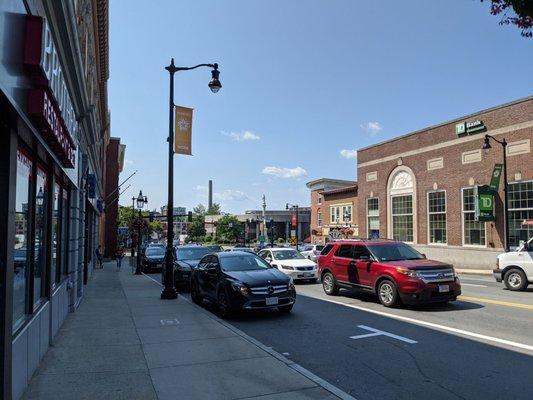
(210, 201)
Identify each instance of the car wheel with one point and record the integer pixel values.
(224, 309)
(285, 309)
(329, 284)
(195, 294)
(388, 294)
(515, 279)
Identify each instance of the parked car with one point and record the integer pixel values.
(236, 281)
(515, 268)
(393, 270)
(186, 258)
(153, 258)
(312, 251)
(214, 247)
(242, 248)
(291, 262)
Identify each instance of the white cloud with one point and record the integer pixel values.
(373, 128)
(201, 188)
(242, 136)
(225, 195)
(128, 162)
(348, 153)
(281, 172)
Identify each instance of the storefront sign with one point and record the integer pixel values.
(495, 179)
(183, 131)
(49, 104)
(469, 128)
(293, 219)
(484, 206)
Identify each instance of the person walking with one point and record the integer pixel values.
(119, 255)
(99, 256)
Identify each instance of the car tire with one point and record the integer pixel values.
(515, 280)
(196, 297)
(224, 309)
(285, 309)
(388, 293)
(329, 284)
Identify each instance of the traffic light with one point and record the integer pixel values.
(189, 216)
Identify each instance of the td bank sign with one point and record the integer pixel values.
(470, 128)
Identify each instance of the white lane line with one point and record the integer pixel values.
(472, 284)
(377, 332)
(434, 326)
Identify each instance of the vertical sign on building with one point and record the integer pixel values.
(495, 179)
(183, 131)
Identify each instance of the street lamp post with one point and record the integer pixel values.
(132, 217)
(296, 207)
(271, 232)
(169, 291)
(141, 201)
(486, 148)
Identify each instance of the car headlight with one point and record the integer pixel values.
(239, 287)
(290, 285)
(287, 267)
(411, 273)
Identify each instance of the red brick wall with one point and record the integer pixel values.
(454, 175)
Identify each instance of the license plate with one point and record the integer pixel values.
(271, 301)
(308, 274)
(444, 288)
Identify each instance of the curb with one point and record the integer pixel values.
(291, 364)
(484, 272)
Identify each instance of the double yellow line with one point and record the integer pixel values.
(497, 302)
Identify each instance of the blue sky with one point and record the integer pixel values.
(302, 80)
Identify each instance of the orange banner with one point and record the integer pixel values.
(183, 131)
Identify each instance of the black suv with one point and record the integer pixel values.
(186, 258)
(238, 280)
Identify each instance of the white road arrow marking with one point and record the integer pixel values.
(377, 332)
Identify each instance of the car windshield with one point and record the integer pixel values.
(214, 248)
(243, 262)
(319, 248)
(192, 253)
(394, 252)
(287, 255)
(155, 251)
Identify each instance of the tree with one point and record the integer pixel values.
(214, 209)
(199, 210)
(196, 229)
(523, 10)
(229, 228)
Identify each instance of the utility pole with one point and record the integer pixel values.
(264, 233)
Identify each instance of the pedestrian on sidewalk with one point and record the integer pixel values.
(99, 256)
(119, 255)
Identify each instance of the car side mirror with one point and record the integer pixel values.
(424, 256)
(268, 260)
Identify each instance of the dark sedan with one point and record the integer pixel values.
(236, 281)
(186, 259)
(153, 258)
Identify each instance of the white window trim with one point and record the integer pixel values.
(339, 206)
(368, 216)
(403, 215)
(515, 183)
(475, 246)
(445, 213)
(415, 202)
(319, 219)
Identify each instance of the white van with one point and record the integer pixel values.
(515, 268)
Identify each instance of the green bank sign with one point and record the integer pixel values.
(484, 203)
(470, 128)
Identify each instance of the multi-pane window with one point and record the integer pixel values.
(64, 231)
(437, 217)
(347, 214)
(39, 265)
(402, 218)
(319, 199)
(373, 217)
(55, 263)
(520, 197)
(319, 218)
(341, 214)
(335, 214)
(473, 231)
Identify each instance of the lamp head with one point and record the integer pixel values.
(486, 144)
(215, 84)
(140, 200)
(40, 197)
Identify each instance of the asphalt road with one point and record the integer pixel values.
(478, 348)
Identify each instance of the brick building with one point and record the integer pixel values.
(334, 209)
(420, 187)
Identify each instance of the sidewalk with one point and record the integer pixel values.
(125, 343)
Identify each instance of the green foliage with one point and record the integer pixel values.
(199, 210)
(281, 240)
(196, 230)
(229, 229)
(214, 209)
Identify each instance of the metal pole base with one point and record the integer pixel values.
(169, 293)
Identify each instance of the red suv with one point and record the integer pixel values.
(393, 270)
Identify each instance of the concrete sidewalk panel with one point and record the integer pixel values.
(227, 380)
(93, 359)
(189, 317)
(96, 336)
(92, 386)
(316, 393)
(160, 309)
(75, 321)
(183, 332)
(199, 351)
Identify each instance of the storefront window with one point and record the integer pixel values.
(473, 231)
(520, 210)
(437, 217)
(64, 231)
(22, 238)
(40, 235)
(402, 218)
(373, 217)
(56, 243)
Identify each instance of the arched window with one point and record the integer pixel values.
(401, 199)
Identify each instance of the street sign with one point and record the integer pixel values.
(484, 203)
(123, 230)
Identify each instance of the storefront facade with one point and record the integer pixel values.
(53, 129)
(421, 188)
